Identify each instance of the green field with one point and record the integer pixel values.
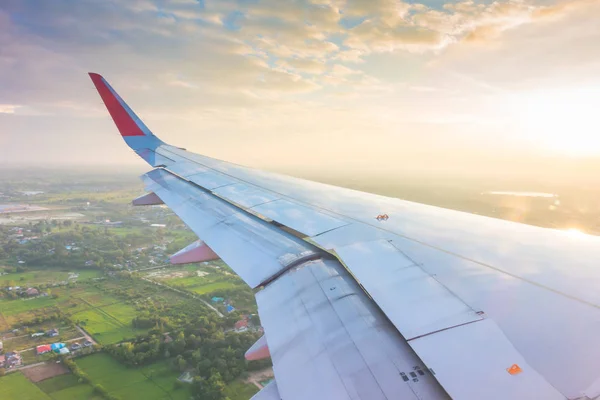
(191, 281)
(65, 296)
(13, 307)
(103, 327)
(79, 392)
(238, 390)
(124, 313)
(106, 317)
(155, 381)
(49, 275)
(67, 387)
(211, 287)
(17, 386)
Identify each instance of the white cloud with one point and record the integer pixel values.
(8, 108)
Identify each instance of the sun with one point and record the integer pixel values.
(575, 233)
(564, 121)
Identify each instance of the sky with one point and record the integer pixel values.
(357, 85)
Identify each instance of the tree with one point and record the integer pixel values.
(179, 344)
(181, 364)
(211, 389)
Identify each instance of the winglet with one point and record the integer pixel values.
(127, 122)
(135, 133)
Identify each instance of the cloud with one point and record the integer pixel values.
(372, 36)
(184, 67)
(8, 108)
(305, 65)
(352, 55)
(563, 9)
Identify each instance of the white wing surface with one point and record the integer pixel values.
(426, 304)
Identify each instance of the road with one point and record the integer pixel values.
(85, 334)
(185, 293)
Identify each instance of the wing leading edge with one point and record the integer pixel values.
(437, 258)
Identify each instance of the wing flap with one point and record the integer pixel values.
(256, 250)
(211, 180)
(245, 195)
(303, 219)
(328, 341)
(186, 169)
(476, 361)
(413, 300)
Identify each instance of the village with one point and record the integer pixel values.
(98, 286)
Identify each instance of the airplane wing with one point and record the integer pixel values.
(420, 303)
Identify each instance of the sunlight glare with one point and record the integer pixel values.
(564, 121)
(576, 233)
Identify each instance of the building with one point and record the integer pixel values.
(32, 292)
(43, 349)
(217, 299)
(230, 308)
(12, 359)
(52, 332)
(57, 347)
(241, 325)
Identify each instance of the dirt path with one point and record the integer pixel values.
(30, 365)
(85, 334)
(262, 375)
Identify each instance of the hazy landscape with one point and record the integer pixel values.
(77, 259)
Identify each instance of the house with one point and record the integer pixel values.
(217, 299)
(63, 351)
(167, 338)
(43, 349)
(37, 334)
(57, 347)
(2, 359)
(12, 359)
(241, 325)
(230, 308)
(32, 292)
(186, 377)
(52, 332)
(75, 346)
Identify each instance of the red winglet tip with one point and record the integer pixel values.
(126, 125)
(94, 76)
